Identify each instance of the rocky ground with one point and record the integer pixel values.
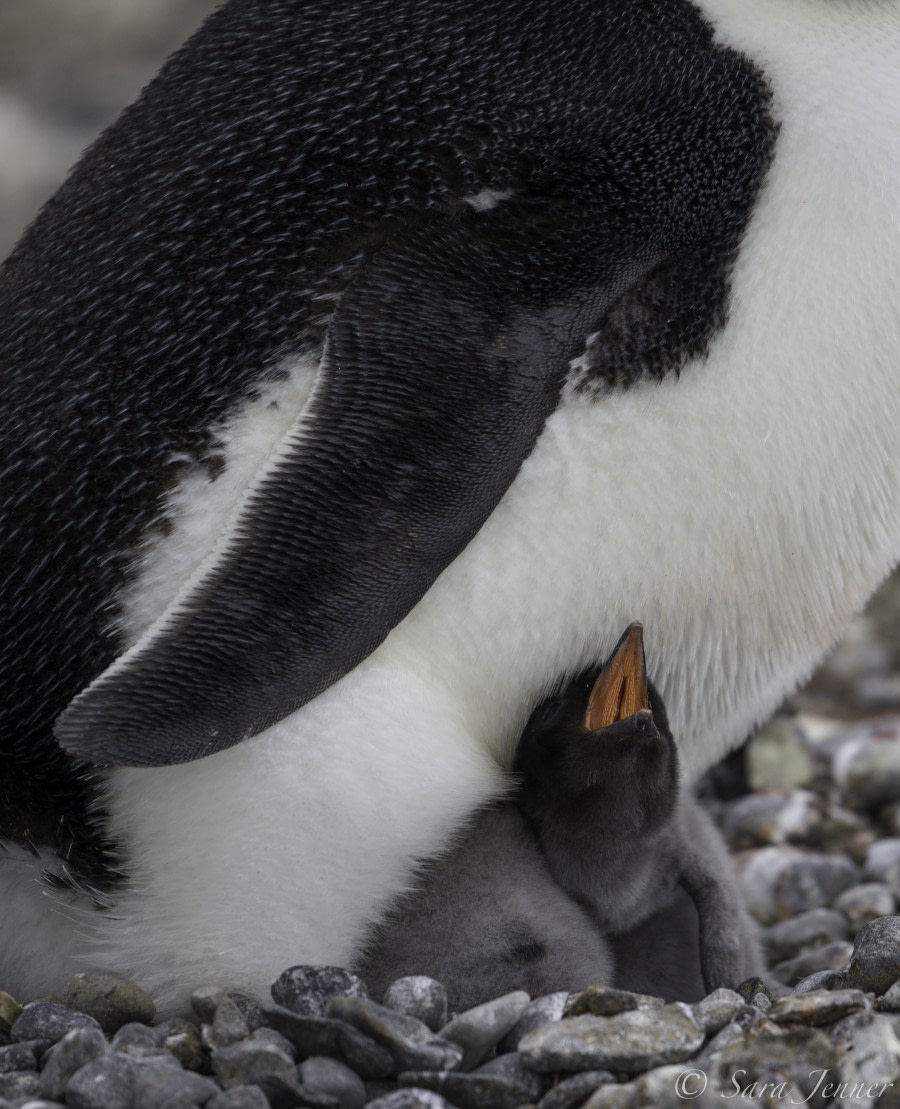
(811, 809)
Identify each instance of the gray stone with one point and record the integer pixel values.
(778, 757)
(875, 964)
(182, 1040)
(270, 1036)
(420, 997)
(628, 1042)
(817, 1006)
(20, 1056)
(334, 1038)
(832, 956)
(867, 766)
(228, 1026)
(780, 882)
(755, 992)
(822, 980)
(883, 864)
(512, 1066)
(796, 1056)
(48, 1021)
(864, 903)
(614, 1097)
(543, 1010)
(10, 1011)
(802, 933)
(571, 1092)
(890, 1003)
(205, 1000)
(306, 989)
(471, 1091)
(160, 1083)
(411, 1098)
(243, 1063)
(867, 1048)
(481, 1028)
(137, 1039)
(789, 816)
(412, 1044)
(69, 1055)
(19, 1084)
(110, 1000)
(717, 1009)
(104, 1083)
(320, 1074)
(250, 1008)
(239, 1097)
(604, 1001)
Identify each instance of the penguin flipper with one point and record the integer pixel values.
(442, 362)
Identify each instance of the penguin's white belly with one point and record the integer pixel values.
(742, 512)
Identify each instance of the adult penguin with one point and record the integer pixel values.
(375, 359)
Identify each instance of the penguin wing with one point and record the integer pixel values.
(441, 364)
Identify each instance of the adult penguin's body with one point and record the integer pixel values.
(598, 345)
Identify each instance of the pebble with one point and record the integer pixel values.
(866, 767)
(104, 1083)
(239, 1097)
(883, 864)
(800, 933)
(831, 956)
(334, 1038)
(9, 1012)
(228, 1026)
(69, 1055)
(780, 882)
(627, 1042)
(470, 1091)
(717, 1009)
(864, 903)
(205, 1000)
(817, 1006)
(868, 1049)
(481, 1028)
(307, 989)
(773, 1053)
(890, 1003)
(243, 1063)
(571, 1092)
(160, 1083)
(779, 757)
(320, 1074)
(540, 1011)
(48, 1021)
(411, 1098)
(875, 964)
(420, 997)
(411, 1044)
(110, 1000)
(604, 1001)
(181, 1039)
(772, 818)
(19, 1084)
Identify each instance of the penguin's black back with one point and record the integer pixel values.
(268, 161)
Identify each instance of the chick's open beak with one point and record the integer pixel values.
(621, 689)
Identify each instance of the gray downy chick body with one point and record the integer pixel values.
(600, 868)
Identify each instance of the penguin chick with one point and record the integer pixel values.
(600, 790)
(595, 870)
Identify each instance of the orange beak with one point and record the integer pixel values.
(621, 689)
